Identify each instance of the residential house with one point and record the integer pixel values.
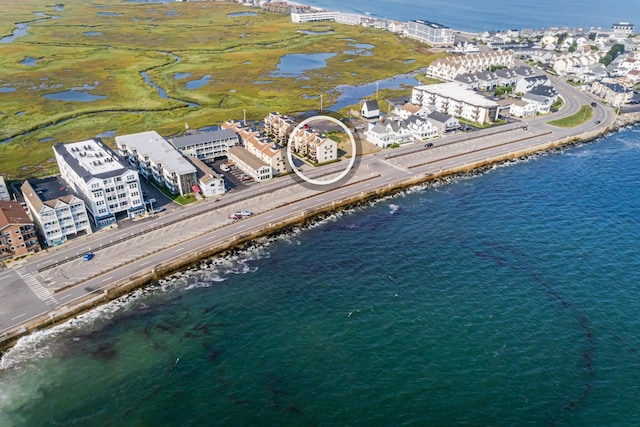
(388, 132)
(210, 183)
(370, 110)
(526, 84)
(206, 146)
(420, 127)
(612, 93)
(542, 97)
(17, 232)
(444, 123)
(506, 76)
(61, 215)
(487, 80)
(108, 187)
(157, 159)
(523, 109)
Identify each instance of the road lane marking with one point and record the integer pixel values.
(19, 316)
(180, 249)
(108, 278)
(65, 297)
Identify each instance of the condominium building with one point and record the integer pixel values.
(450, 67)
(313, 145)
(17, 232)
(206, 146)
(430, 32)
(108, 187)
(278, 126)
(57, 215)
(156, 159)
(260, 146)
(456, 100)
(4, 191)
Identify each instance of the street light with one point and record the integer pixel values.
(320, 103)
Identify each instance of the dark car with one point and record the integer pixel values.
(593, 104)
(428, 145)
(88, 256)
(597, 122)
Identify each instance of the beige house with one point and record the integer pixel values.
(309, 143)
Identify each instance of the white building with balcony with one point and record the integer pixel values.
(58, 217)
(456, 100)
(108, 187)
(155, 158)
(206, 146)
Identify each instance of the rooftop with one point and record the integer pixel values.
(458, 92)
(151, 144)
(202, 137)
(92, 156)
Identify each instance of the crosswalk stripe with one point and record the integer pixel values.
(37, 288)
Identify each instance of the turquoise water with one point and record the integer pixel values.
(507, 298)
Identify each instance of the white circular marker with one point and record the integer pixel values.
(351, 161)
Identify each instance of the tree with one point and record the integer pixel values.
(592, 36)
(615, 50)
(573, 47)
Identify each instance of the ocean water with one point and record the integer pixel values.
(496, 15)
(508, 297)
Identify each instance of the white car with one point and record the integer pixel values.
(245, 213)
(224, 168)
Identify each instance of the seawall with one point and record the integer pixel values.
(187, 260)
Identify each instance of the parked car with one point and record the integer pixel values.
(234, 215)
(246, 178)
(224, 168)
(245, 213)
(88, 256)
(428, 145)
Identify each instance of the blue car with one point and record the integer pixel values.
(88, 256)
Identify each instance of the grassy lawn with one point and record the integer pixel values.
(106, 45)
(576, 119)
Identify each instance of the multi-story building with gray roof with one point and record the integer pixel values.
(108, 187)
(206, 146)
(156, 159)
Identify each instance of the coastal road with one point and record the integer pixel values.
(30, 289)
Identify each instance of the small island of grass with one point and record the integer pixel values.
(574, 120)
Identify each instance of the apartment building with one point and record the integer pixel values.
(456, 100)
(260, 146)
(430, 32)
(313, 145)
(156, 159)
(57, 215)
(206, 146)
(17, 232)
(108, 187)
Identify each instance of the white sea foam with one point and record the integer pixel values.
(393, 208)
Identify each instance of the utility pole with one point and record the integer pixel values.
(376, 91)
(244, 117)
(320, 103)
